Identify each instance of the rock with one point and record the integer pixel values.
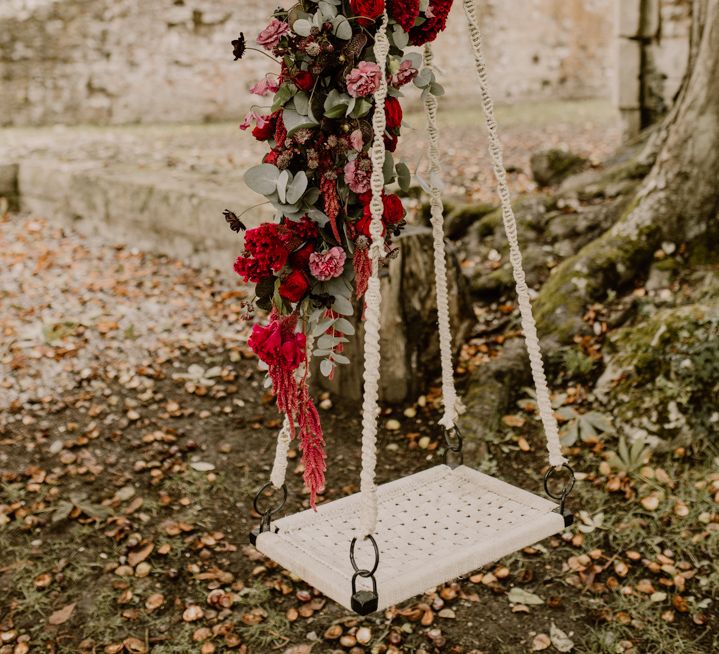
(461, 218)
(551, 167)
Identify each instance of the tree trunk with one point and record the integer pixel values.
(409, 337)
(678, 201)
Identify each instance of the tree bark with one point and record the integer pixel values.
(678, 201)
(409, 337)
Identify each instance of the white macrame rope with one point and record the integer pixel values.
(544, 404)
(279, 468)
(373, 297)
(449, 393)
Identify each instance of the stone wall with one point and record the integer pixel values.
(126, 61)
(653, 38)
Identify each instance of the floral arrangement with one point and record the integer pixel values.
(317, 122)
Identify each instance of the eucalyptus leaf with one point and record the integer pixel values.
(342, 29)
(327, 342)
(301, 102)
(361, 108)
(323, 325)
(282, 182)
(294, 121)
(388, 168)
(263, 178)
(326, 367)
(283, 96)
(320, 218)
(302, 27)
(404, 177)
(311, 196)
(344, 326)
(321, 353)
(340, 358)
(328, 10)
(399, 37)
(424, 78)
(342, 306)
(436, 89)
(297, 187)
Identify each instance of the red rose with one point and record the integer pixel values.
(404, 12)
(390, 142)
(295, 286)
(301, 258)
(393, 209)
(304, 80)
(368, 10)
(393, 112)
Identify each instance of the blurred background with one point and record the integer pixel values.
(579, 75)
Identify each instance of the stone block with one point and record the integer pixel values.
(629, 74)
(628, 17)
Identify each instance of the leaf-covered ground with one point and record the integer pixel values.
(134, 431)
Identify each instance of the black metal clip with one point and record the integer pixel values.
(453, 443)
(561, 497)
(364, 602)
(266, 515)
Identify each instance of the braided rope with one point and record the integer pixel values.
(544, 404)
(373, 297)
(279, 467)
(449, 393)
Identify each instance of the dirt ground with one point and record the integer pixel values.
(134, 431)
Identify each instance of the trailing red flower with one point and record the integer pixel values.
(436, 22)
(312, 443)
(405, 12)
(328, 188)
(280, 130)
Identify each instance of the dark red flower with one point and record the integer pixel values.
(393, 209)
(428, 30)
(266, 132)
(405, 12)
(304, 80)
(271, 157)
(393, 112)
(363, 224)
(368, 10)
(264, 255)
(300, 259)
(390, 142)
(295, 286)
(277, 346)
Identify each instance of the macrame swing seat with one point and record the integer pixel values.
(386, 544)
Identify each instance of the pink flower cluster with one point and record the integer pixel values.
(358, 175)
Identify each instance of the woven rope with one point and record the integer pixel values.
(449, 393)
(279, 468)
(544, 404)
(373, 297)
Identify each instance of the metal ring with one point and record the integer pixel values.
(279, 508)
(567, 488)
(456, 433)
(362, 572)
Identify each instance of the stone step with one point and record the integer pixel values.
(177, 213)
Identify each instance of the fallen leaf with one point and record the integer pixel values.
(202, 466)
(133, 558)
(520, 596)
(62, 615)
(560, 640)
(541, 642)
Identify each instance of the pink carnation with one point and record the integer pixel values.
(271, 35)
(265, 87)
(406, 73)
(364, 80)
(327, 265)
(357, 176)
